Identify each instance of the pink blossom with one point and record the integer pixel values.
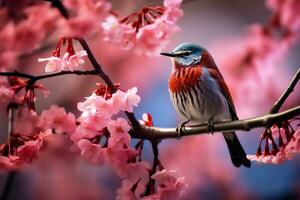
(97, 105)
(288, 12)
(118, 32)
(83, 131)
(10, 162)
(75, 60)
(5, 94)
(169, 187)
(28, 152)
(147, 31)
(93, 122)
(119, 132)
(57, 118)
(286, 152)
(56, 64)
(154, 37)
(138, 171)
(279, 158)
(18, 35)
(126, 192)
(92, 153)
(26, 122)
(119, 156)
(85, 18)
(126, 101)
(146, 120)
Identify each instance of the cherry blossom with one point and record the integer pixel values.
(97, 111)
(147, 31)
(286, 13)
(127, 191)
(119, 132)
(97, 105)
(68, 62)
(169, 187)
(146, 120)
(26, 122)
(10, 162)
(57, 119)
(85, 18)
(54, 64)
(5, 93)
(288, 146)
(22, 149)
(93, 153)
(126, 100)
(17, 34)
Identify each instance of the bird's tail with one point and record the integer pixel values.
(237, 153)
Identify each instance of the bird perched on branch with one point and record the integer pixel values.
(201, 96)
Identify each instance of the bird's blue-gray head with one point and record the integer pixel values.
(186, 54)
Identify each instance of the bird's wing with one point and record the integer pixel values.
(215, 73)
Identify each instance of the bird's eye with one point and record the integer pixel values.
(185, 53)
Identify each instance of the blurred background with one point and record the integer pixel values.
(219, 26)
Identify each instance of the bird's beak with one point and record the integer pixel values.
(169, 54)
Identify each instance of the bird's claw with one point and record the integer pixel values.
(181, 129)
(210, 125)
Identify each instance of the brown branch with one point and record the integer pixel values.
(45, 76)
(155, 133)
(62, 9)
(276, 107)
(98, 68)
(96, 65)
(151, 183)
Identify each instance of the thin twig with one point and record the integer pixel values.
(10, 127)
(62, 9)
(96, 64)
(276, 107)
(11, 116)
(151, 183)
(131, 117)
(45, 76)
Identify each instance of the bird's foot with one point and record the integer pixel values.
(181, 128)
(210, 125)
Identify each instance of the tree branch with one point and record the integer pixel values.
(286, 93)
(45, 76)
(155, 133)
(131, 117)
(62, 9)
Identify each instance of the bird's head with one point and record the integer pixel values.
(186, 55)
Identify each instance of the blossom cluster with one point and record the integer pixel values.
(146, 31)
(287, 146)
(70, 61)
(30, 132)
(101, 139)
(85, 17)
(99, 136)
(18, 36)
(17, 33)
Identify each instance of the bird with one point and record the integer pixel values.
(200, 95)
